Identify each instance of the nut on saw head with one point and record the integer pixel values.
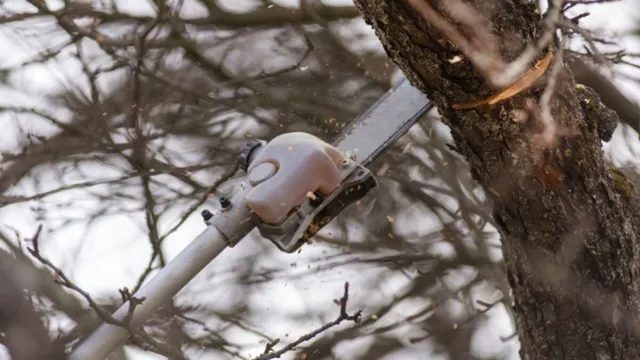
(248, 150)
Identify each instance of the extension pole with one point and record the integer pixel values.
(280, 180)
(226, 229)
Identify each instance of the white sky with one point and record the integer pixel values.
(116, 250)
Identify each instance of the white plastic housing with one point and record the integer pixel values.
(304, 164)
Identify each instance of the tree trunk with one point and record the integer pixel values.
(568, 236)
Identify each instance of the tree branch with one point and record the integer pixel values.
(343, 316)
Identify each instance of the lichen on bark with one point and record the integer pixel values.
(596, 113)
(569, 244)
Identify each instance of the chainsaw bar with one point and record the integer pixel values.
(361, 142)
(383, 123)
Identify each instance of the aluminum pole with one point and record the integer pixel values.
(226, 228)
(173, 277)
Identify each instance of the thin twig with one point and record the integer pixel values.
(270, 354)
(62, 279)
(550, 126)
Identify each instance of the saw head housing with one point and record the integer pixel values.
(300, 183)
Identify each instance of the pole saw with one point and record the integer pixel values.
(295, 184)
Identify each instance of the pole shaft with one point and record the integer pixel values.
(173, 277)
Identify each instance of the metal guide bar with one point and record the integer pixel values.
(386, 121)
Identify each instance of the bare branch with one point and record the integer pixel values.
(344, 316)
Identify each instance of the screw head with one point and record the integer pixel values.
(225, 203)
(206, 214)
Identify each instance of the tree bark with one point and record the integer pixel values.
(569, 244)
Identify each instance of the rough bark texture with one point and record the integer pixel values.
(568, 236)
